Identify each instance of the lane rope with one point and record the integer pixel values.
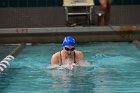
(5, 63)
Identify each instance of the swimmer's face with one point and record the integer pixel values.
(69, 49)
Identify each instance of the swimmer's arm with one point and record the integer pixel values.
(80, 57)
(54, 60)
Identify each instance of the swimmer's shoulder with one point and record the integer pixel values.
(55, 58)
(78, 52)
(56, 55)
(79, 56)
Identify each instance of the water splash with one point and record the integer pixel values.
(71, 68)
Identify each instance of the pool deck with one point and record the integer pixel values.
(81, 34)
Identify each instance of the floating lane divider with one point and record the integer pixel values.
(5, 63)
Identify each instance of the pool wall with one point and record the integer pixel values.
(81, 34)
(30, 17)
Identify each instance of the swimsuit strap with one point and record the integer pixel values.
(75, 58)
(60, 63)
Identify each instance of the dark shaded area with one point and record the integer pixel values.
(48, 3)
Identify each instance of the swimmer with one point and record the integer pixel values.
(68, 57)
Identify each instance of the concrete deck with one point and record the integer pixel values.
(81, 34)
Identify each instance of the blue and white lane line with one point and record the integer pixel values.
(6, 62)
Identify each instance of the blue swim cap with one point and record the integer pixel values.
(68, 41)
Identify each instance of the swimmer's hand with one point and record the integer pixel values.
(69, 67)
(65, 66)
(73, 65)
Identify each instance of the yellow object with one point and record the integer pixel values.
(70, 3)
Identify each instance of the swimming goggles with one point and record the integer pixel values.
(69, 49)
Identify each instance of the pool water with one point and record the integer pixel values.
(5, 50)
(114, 68)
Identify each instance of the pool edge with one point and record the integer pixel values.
(81, 34)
